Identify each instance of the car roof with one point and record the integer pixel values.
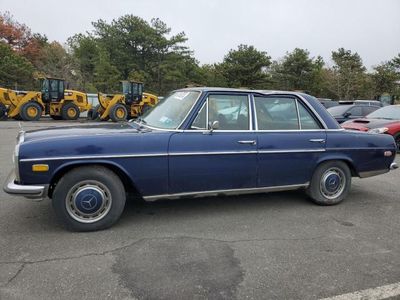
(224, 89)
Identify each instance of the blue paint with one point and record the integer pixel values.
(167, 173)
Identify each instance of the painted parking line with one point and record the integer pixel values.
(380, 292)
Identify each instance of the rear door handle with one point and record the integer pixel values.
(321, 141)
(252, 142)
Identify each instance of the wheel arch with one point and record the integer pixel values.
(126, 180)
(349, 162)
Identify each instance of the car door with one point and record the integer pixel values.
(202, 160)
(290, 140)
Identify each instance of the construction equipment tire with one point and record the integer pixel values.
(3, 112)
(118, 113)
(31, 111)
(70, 111)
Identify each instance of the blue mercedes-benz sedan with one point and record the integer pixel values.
(197, 142)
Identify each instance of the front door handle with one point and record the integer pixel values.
(252, 142)
(321, 141)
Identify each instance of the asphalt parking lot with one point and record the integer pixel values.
(269, 246)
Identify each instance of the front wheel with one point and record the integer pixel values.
(118, 113)
(31, 111)
(330, 183)
(89, 198)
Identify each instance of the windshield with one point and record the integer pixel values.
(338, 110)
(388, 112)
(170, 113)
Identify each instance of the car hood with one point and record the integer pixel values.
(81, 131)
(368, 123)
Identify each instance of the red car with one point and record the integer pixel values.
(384, 120)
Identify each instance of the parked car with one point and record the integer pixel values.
(368, 102)
(328, 102)
(191, 145)
(344, 113)
(384, 120)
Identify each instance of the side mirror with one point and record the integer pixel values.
(211, 127)
(347, 114)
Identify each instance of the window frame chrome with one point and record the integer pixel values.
(296, 98)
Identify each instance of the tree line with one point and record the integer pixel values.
(130, 48)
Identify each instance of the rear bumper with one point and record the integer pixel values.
(29, 191)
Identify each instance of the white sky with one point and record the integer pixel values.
(370, 27)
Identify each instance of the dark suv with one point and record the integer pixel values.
(343, 113)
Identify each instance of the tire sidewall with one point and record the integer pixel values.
(66, 107)
(101, 174)
(23, 112)
(113, 113)
(314, 190)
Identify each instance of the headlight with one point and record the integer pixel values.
(378, 130)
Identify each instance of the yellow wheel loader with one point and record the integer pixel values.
(26, 106)
(53, 99)
(61, 103)
(133, 102)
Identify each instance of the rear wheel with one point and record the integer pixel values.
(330, 183)
(3, 112)
(118, 113)
(89, 198)
(70, 111)
(31, 111)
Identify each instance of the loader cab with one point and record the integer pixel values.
(52, 89)
(133, 91)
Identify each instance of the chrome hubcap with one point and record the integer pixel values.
(332, 183)
(88, 201)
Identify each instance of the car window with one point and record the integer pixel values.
(231, 112)
(276, 113)
(201, 120)
(307, 120)
(368, 109)
(356, 111)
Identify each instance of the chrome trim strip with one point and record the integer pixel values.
(228, 192)
(212, 153)
(30, 191)
(298, 113)
(276, 131)
(358, 148)
(93, 157)
(170, 154)
(291, 151)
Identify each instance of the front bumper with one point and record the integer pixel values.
(29, 191)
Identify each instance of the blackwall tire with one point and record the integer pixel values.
(89, 198)
(330, 183)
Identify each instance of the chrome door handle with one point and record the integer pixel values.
(247, 142)
(321, 141)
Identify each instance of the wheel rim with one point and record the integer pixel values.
(71, 112)
(333, 183)
(88, 201)
(120, 113)
(32, 111)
